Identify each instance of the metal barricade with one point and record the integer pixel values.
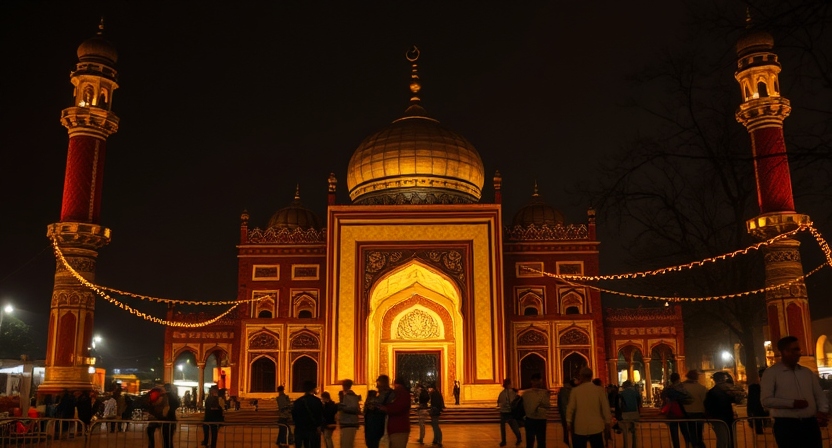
(669, 433)
(41, 432)
(182, 433)
(758, 432)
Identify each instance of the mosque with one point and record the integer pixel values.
(419, 276)
(422, 278)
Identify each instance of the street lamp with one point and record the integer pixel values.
(95, 340)
(6, 310)
(181, 368)
(727, 356)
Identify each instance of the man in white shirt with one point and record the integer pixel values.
(588, 412)
(793, 395)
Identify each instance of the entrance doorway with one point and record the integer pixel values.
(419, 367)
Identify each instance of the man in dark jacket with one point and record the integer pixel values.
(308, 412)
(719, 406)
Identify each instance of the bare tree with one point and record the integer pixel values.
(685, 191)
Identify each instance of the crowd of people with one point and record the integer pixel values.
(590, 412)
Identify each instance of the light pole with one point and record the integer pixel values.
(6, 310)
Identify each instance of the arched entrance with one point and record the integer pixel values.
(303, 369)
(415, 327)
(529, 365)
(572, 365)
(263, 371)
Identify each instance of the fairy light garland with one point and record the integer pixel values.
(575, 280)
(144, 297)
(681, 267)
(130, 309)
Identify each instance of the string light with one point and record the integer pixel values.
(681, 267)
(575, 280)
(59, 254)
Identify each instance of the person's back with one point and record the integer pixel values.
(629, 399)
(589, 409)
(697, 393)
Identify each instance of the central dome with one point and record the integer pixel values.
(415, 160)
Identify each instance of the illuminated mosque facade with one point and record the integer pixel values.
(419, 277)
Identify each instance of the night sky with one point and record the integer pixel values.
(225, 108)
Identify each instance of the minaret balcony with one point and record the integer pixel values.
(763, 112)
(90, 119)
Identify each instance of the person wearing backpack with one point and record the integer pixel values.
(504, 401)
(629, 401)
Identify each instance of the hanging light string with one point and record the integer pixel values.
(87, 283)
(130, 309)
(694, 264)
(701, 299)
(575, 280)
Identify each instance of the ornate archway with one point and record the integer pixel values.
(415, 310)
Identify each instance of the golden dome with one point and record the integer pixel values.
(754, 41)
(537, 212)
(98, 49)
(295, 216)
(415, 160)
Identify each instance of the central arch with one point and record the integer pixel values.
(415, 309)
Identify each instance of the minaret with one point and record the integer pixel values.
(79, 235)
(762, 112)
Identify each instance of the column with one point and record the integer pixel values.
(648, 382)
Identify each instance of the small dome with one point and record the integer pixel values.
(97, 49)
(415, 157)
(753, 41)
(295, 216)
(537, 212)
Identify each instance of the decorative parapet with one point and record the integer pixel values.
(544, 232)
(286, 236)
(640, 314)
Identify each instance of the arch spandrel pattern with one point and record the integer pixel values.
(380, 263)
(574, 336)
(304, 340)
(533, 337)
(264, 340)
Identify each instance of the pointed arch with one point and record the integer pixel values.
(530, 304)
(263, 370)
(304, 368)
(530, 364)
(304, 305)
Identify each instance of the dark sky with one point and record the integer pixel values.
(225, 108)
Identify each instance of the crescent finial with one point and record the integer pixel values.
(412, 55)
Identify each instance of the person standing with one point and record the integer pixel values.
(504, 401)
(397, 409)
(629, 402)
(329, 424)
(284, 415)
(457, 391)
(588, 413)
(676, 397)
(719, 406)
(348, 409)
(84, 405)
(307, 413)
(422, 411)
(694, 410)
(374, 411)
(213, 417)
(563, 402)
(536, 404)
(793, 396)
(110, 407)
(437, 405)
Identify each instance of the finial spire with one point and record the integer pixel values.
(748, 17)
(412, 55)
(297, 192)
(535, 194)
(101, 26)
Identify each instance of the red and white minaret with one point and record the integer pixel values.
(79, 235)
(762, 112)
